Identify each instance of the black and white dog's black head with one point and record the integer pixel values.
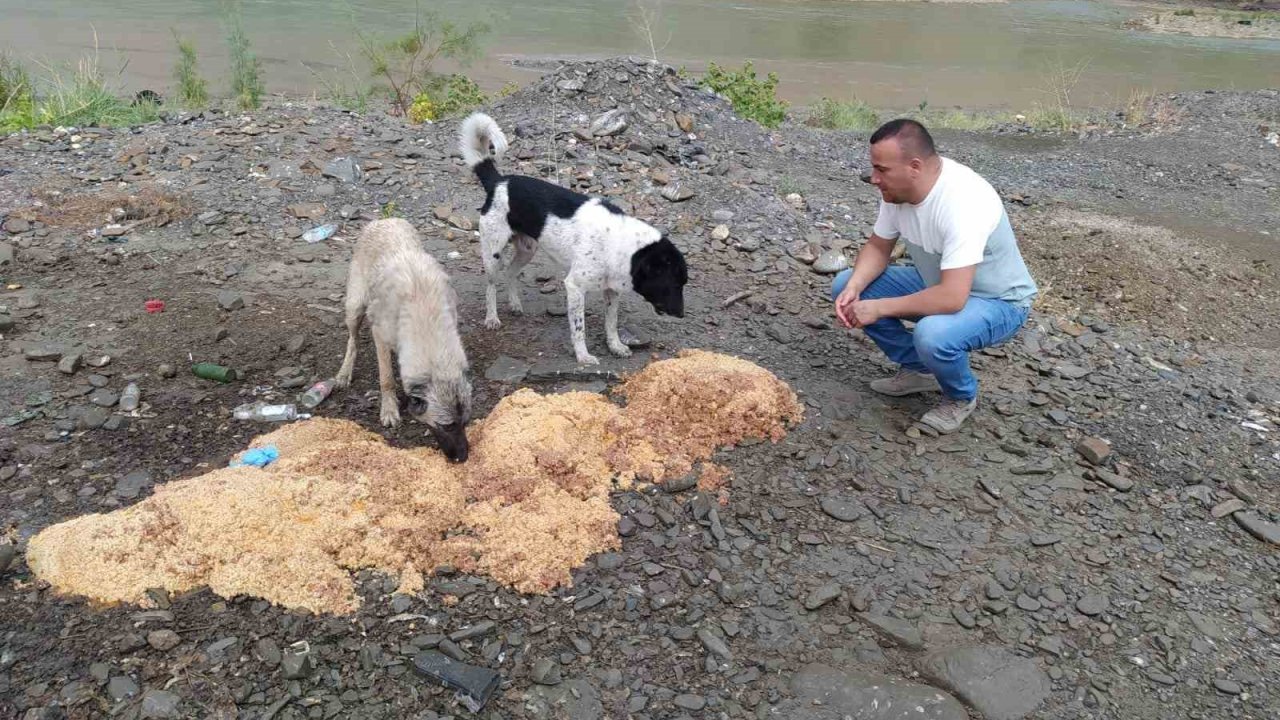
(659, 274)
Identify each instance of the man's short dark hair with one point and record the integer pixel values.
(911, 135)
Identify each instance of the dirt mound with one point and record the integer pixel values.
(1144, 274)
(532, 504)
(147, 206)
(624, 105)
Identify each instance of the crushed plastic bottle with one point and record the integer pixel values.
(130, 397)
(320, 233)
(266, 412)
(316, 394)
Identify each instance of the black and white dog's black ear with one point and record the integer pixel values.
(659, 274)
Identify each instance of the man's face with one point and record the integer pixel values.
(893, 174)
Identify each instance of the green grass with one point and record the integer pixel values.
(857, 115)
(17, 109)
(76, 96)
(843, 115)
(343, 86)
(957, 119)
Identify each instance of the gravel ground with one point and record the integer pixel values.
(1100, 541)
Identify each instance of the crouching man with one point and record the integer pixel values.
(969, 288)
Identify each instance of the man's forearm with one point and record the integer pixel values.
(870, 263)
(936, 300)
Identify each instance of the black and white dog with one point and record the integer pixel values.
(603, 248)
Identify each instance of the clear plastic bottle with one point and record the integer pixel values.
(266, 412)
(318, 234)
(316, 393)
(130, 397)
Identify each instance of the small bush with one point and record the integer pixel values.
(451, 95)
(843, 115)
(446, 96)
(193, 91)
(405, 64)
(246, 69)
(751, 97)
(1185, 12)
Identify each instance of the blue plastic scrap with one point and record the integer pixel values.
(258, 457)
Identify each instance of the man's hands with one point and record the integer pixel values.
(866, 312)
(854, 312)
(845, 302)
(872, 259)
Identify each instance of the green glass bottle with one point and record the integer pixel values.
(210, 371)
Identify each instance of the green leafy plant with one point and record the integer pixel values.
(751, 97)
(406, 64)
(246, 70)
(193, 91)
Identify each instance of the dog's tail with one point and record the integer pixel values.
(482, 142)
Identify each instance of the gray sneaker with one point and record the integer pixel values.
(949, 415)
(906, 382)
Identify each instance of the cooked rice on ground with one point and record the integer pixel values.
(531, 504)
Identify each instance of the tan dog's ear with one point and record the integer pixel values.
(416, 405)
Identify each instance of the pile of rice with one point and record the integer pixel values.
(531, 504)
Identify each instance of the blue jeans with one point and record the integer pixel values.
(940, 344)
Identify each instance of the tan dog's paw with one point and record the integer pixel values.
(390, 415)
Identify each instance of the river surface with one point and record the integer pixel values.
(891, 54)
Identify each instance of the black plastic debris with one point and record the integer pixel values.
(475, 685)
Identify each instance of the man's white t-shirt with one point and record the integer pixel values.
(961, 222)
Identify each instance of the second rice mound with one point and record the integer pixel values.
(531, 505)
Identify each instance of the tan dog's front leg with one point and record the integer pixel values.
(390, 412)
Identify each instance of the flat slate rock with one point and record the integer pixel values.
(900, 631)
(507, 370)
(842, 510)
(1000, 685)
(571, 700)
(821, 596)
(866, 696)
(1259, 528)
(551, 371)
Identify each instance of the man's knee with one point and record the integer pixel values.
(933, 335)
(841, 279)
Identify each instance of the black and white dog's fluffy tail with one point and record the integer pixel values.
(482, 142)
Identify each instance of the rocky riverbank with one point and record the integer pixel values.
(1100, 542)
